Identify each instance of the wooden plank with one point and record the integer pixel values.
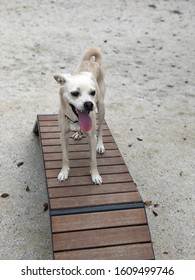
(85, 190)
(84, 162)
(86, 180)
(48, 117)
(76, 147)
(94, 200)
(56, 142)
(54, 117)
(142, 251)
(56, 135)
(100, 237)
(49, 129)
(57, 128)
(50, 135)
(84, 171)
(48, 123)
(98, 220)
(81, 155)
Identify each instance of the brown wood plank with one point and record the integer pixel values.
(125, 252)
(49, 117)
(48, 123)
(54, 117)
(49, 129)
(84, 162)
(81, 155)
(86, 180)
(50, 135)
(73, 148)
(46, 117)
(100, 237)
(85, 190)
(98, 220)
(85, 140)
(94, 200)
(56, 142)
(56, 135)
(57, 128)
(83, 171)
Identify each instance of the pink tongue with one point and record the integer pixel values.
(84, 121)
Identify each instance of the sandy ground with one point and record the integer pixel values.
(149, 52)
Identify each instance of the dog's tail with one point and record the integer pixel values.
(93, 52)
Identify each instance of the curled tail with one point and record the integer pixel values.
(93, 52)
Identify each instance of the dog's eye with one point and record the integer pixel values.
(92, 93)
(75, 93)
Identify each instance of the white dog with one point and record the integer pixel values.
(80, 95)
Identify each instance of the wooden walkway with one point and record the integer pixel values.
(90, 221)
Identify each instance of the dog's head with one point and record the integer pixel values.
(80, 91)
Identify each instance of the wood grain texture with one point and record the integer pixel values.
(98, 220)
(125, 252)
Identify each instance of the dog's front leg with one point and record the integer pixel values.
(95, 176)
(101, 114)
(63, 175)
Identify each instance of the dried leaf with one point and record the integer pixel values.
(45, 205)
(155, 214)
(152, 6)
(170, 86)
(165, 252)
(20, 163)
(176, 12)
(4, 195)
(148, 203)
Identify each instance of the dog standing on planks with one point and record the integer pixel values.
(81, 94)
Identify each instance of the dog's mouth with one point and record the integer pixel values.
(84, 119)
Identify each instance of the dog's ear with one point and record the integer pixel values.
(60, 79)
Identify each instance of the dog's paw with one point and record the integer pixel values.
(100, 148)
(63, 175)
(77, 135)
(96, 178)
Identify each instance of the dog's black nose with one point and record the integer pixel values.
(88, 106)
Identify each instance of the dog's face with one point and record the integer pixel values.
(79, 90)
